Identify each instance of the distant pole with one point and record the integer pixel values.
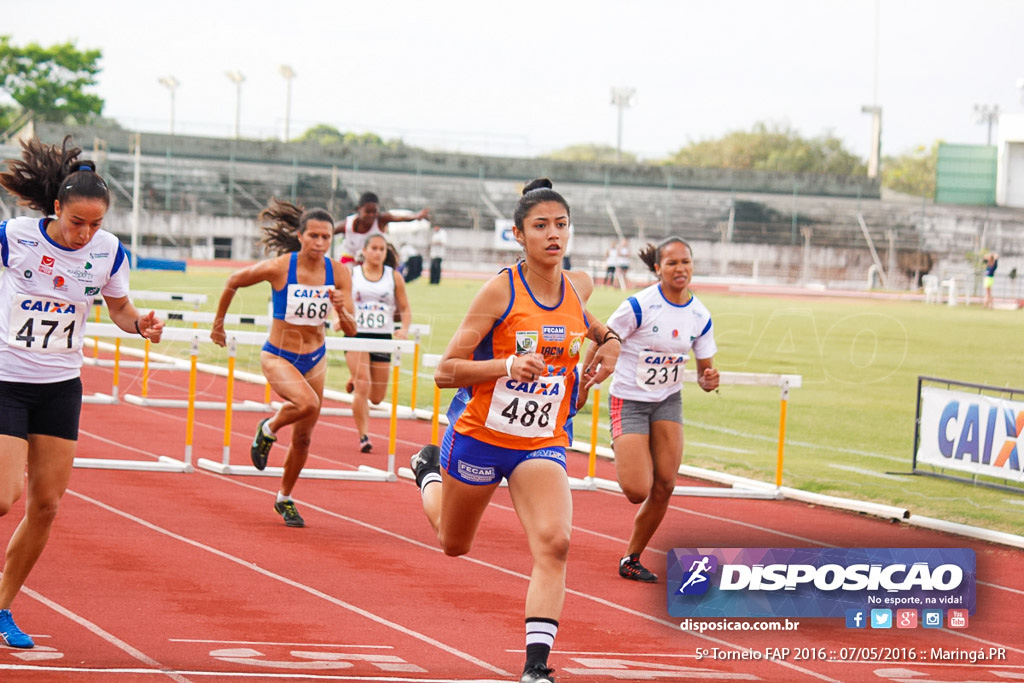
(171, 83)
(875, 155)
(288, 74)
(136, 200)
(988, 114)
(237, 78)
(621, 98)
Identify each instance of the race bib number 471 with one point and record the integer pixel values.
(43, 325)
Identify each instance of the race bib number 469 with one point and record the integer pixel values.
(43, 325)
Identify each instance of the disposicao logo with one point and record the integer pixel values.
(818, 582)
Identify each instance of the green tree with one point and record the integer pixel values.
(772, 148)
(590, 153)
(51, 81)
(323, 134)
(912, 172)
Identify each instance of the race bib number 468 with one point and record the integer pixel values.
(45, 325)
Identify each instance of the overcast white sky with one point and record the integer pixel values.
(530, 77)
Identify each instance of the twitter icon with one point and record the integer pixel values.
(881, 618)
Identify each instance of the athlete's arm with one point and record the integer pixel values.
(341, 297)
(264, 271)
(402, 303)
(385, 218)
(457, 369)
(127, 317)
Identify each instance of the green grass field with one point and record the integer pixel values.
(850, 427)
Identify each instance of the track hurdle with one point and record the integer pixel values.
(734, 487)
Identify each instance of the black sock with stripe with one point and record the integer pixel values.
(540, 637)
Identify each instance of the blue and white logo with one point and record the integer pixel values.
(696, 579)
(856, 618)
(931, 618)
(881, 618)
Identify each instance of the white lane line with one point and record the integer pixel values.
(295, 584)
(866, 473)
(104, 635)
(257, 675)
(208, 641)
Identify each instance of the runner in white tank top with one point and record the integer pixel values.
(379, 292)
(368, 220)
(54, 268)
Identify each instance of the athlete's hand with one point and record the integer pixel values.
(599, 363)
(709, 380)
(528, 367)
(151, 327)
(217, 334)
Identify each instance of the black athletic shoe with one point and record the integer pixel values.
(537, 673)
(261, 444)
(287, 509)
(425, 461)
(630, 568)
(364, 444)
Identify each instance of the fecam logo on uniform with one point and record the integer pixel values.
(817, 582)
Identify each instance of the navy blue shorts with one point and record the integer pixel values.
(472, 461)
(303, 362)
(44, 409)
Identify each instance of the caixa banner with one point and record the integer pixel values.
(970, 432)
(816, 582)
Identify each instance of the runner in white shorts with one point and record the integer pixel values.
(660, 328)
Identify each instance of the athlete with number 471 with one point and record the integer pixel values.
(53, 269)
(306, 286)
(515, 359)
(660, 327)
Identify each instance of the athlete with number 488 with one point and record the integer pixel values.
(515, 359)
(660, 327)
(53, 269)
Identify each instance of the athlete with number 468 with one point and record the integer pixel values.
(306, 286)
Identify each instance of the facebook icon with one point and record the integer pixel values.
(856, 618)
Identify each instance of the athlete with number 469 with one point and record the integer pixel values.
(660, 327)
(515, 357)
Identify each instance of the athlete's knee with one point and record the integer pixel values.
(301, 441)
(454, 547)
(42, 510)
(554, 543)
(10, 496)
(636, 492)
(663, 489)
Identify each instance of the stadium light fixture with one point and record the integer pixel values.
(988, 114)
(874, 158)
(288, 74)
(621, 98)
(237, 78)
(171, 83)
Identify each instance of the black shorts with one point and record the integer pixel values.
(375, 356)
(45, 409)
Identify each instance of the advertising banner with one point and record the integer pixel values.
(970, 432)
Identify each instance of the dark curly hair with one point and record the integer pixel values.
(287, 222)
(48, 173)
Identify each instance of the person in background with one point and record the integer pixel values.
(411, 262)
(438, 249)
(378, 290)
(53, 268)
(622, 263)
(610, 259)
(660, 328)
(366, 221)
(991, 263)
(524, 330)
(307, 286)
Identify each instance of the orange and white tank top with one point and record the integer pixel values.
(528, 415)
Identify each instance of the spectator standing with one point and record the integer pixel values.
(991, 263)
(438, 249)
(412, 262)
(622, 262)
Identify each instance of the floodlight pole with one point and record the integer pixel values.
(237, 78)
(621, 98)
(875, 156)
(988, 114)
(171, 83)
(288, 74)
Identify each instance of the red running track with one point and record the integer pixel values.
(193, 577)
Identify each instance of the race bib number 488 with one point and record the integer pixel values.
(528, 409)
(43, 325)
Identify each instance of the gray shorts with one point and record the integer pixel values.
(635, 417)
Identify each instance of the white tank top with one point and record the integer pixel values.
(375, 301)
(352, 242)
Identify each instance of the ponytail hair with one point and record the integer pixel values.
(46, 174)
(287, 222)
(651, 254)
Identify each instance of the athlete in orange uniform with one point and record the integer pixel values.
(515, 359)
